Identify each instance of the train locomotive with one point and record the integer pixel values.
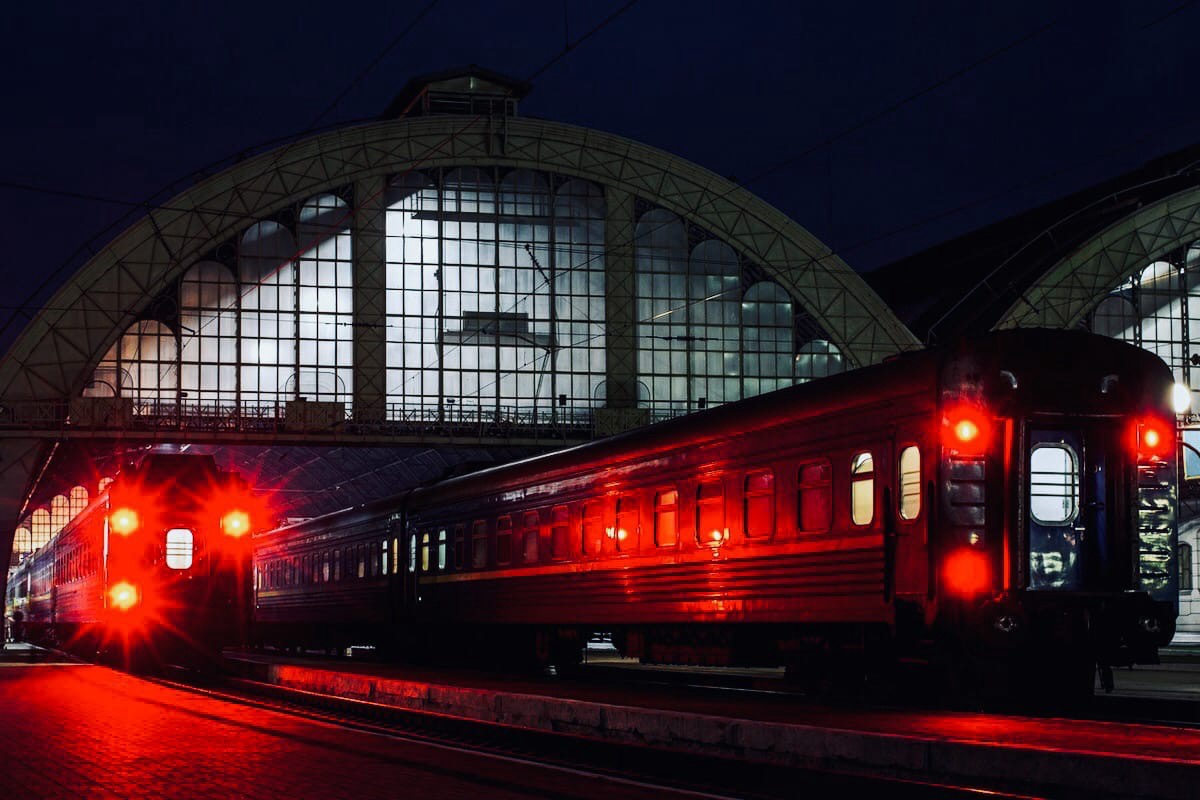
(155, 570)
(1004, 508)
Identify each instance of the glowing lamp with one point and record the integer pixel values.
(123, 521)
(966, 572)
(1154, 440)
(235, 523)
(965, 429)
(1181, 398)
(123, 595)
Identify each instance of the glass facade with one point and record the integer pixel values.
(493, 308)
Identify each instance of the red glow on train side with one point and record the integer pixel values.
(965, 429)
(967, 572)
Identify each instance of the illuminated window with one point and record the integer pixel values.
(179, 548)
(814, 497)
(425, 551)
(559, 533)
(504, 536)
(326, 567)
(1053, 484)
(441, 551)
(710, 513)
(910, 482)
(666, 530)
(383, 550)
(593, 528)
(412, 553)
(532, 535)
(337, 565)
(862, 489)
(1185, 567)
(758, 504)
(628, 527)
(479, 545)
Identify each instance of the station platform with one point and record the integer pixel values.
(1084, 758)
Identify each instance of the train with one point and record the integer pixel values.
(1001, 509)
(155, 570)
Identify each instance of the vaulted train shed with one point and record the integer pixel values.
(368, 308)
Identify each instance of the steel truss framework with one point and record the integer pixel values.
(1068, 291)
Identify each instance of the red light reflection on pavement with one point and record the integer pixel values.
(85, 731)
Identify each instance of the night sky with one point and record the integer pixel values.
(858, 120)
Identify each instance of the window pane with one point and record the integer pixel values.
(665, 531)
(710, 513)
(1053, 484)
(627, 524)
(759, 505)
(479, 545)
(910, 483)
(593, 528)
(815, 497)
(179, 548)
(559, 542)
(862, 489)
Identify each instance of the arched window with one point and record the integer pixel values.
(818, 358)
(267, 269)
(142, 365)
(714, 315)
(208, 316)
(767, 339)
(325, 302)
(660, 261)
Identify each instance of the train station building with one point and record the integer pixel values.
(363, 310)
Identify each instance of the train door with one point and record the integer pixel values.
(1070, 493)
(405, 569)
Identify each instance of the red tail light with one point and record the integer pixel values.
(236, 523)
(967, 572)
(124, 521)
(123, 595)
(1155, 440)
(965, 429)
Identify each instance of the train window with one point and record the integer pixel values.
(337, 565)
(179, 548)
(1185, 567)
(395, 555)
(479, 544)
(627, 528)
(425, 551)
(710, 513)
(666, 529)
(441, 551)
(412, 552)
(376, 556)
(531, 535)
(1053, 483)
(383, 554)
(559, 540)
(362, 561)
(326, 568)
(592, 526)
(758, 506)
(504, 540)
(460, 547)
(862, 488)
(910, 482)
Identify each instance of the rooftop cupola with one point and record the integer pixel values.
(471, 90)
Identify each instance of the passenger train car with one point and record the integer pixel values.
(1005, 506)
(156, 567)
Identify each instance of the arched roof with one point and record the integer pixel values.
(1072, 287)
(55, 354)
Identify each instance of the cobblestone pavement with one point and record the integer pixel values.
(73, 731)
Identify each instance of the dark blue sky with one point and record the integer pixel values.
(1032, 100)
